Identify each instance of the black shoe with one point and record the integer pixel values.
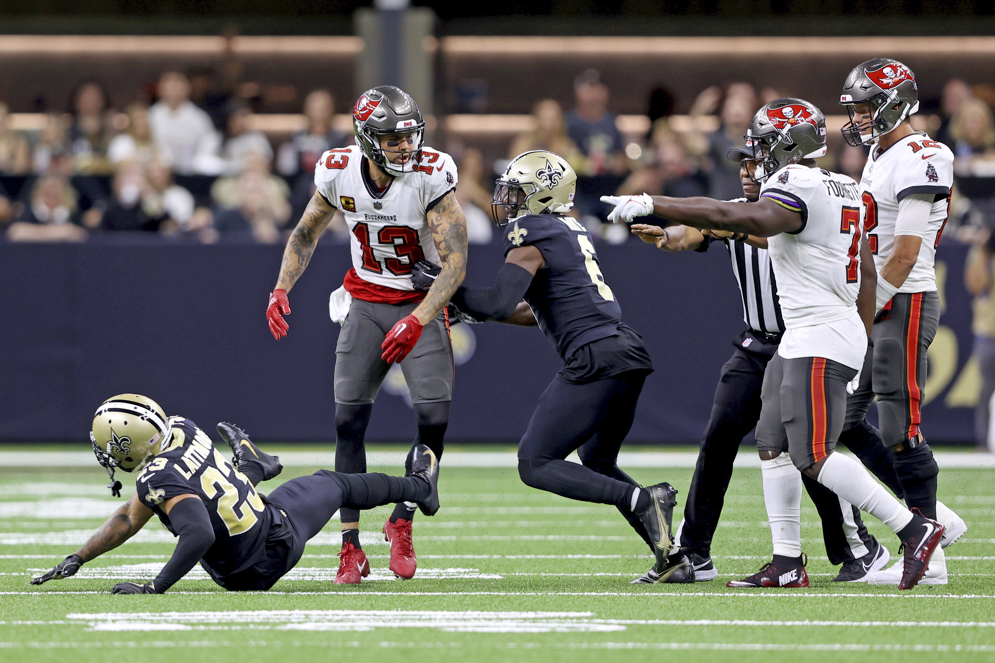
(247, 453)
(677, 570)
(704, 570)
(780, 572)
(657, 519)
(858, 570)
(425, 465)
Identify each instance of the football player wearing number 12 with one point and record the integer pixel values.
(398, 199)
(244, 540)
(550, 262)
(812, 220)
(905, 191)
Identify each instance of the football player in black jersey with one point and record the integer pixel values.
(589, 406)
(244, 540)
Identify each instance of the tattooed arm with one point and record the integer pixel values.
(302, 241)
(120, 527)
(448, 227)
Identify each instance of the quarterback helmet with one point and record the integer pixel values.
(783, 132)
(889, 88)
(128, 429)
(387, 110)
(536, 182)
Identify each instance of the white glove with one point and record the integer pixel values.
(629, 207)
(338, 305)
(852, 385)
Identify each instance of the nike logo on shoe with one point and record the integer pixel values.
(245, 443)
(929, 533)
(789, 577)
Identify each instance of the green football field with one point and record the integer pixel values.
(506, 573)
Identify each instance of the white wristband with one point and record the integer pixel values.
(885, 291)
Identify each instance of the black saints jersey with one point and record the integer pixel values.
(569, 297)
(191, 465)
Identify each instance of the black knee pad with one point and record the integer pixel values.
(916, 464)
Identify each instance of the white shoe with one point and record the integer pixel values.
(954, 525)
(936, 573)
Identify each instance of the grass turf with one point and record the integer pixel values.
(506, 573)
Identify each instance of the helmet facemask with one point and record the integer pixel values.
(388, 113)
(510, 201)
(372, 142)
(887, 112)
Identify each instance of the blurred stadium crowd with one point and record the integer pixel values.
(183, 160)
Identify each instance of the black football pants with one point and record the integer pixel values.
(735, 412)
(592, 419)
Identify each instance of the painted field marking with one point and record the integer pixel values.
(750, 594)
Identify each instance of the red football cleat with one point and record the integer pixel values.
(780, 572)
(353, 566)
(919, 549)
(402, 553)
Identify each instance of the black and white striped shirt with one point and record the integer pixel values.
(757, 285)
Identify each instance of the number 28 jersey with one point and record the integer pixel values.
(389, 229)
(192, 466)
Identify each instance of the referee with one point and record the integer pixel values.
(736, 409)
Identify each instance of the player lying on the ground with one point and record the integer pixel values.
(589, 406)
(398, 198)
(736, 410)
(244, 540)
(812, 218)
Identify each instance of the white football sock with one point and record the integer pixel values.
(849, 480)
(634, 500)
(783, 498)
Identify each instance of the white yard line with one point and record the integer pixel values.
(745, 594)
(482, 459)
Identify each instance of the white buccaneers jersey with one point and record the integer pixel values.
(389, 229)
(915, 164)
(817, 267)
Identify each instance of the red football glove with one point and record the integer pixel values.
(401, 339)
(278, 306)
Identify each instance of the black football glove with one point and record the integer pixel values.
(68, 567)
(423, 274)
(456, 315)
(134, 588)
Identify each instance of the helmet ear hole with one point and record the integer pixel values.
(545, 200)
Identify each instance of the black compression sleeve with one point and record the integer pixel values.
(192, 523)
(499, 301)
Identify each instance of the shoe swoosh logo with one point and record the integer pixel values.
(664, 534)
(698, 567)
(431, 467)
(245, 443)
(360, 567)
(929, 533)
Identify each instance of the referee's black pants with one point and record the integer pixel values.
(735, 412)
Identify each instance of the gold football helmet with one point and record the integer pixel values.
(128, 430)
(536, 182)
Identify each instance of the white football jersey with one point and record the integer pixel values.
(389, 230)
(817, 267)
(915, 164)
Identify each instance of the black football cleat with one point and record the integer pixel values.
(704, 569)
(247, 454)
(425, 465)
(780, 572)
(860, 569)
(919, 548)
(678, 570)
(657, 519)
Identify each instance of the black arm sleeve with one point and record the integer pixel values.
(499, 301)
(192, 523)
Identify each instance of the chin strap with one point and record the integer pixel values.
(115, 486)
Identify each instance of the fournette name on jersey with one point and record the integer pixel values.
(826, 247)
(571, 301)
(914, 165)
(389, 231)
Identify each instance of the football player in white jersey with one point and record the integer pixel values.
(398, 198)
(812, 220)
(905, 191)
